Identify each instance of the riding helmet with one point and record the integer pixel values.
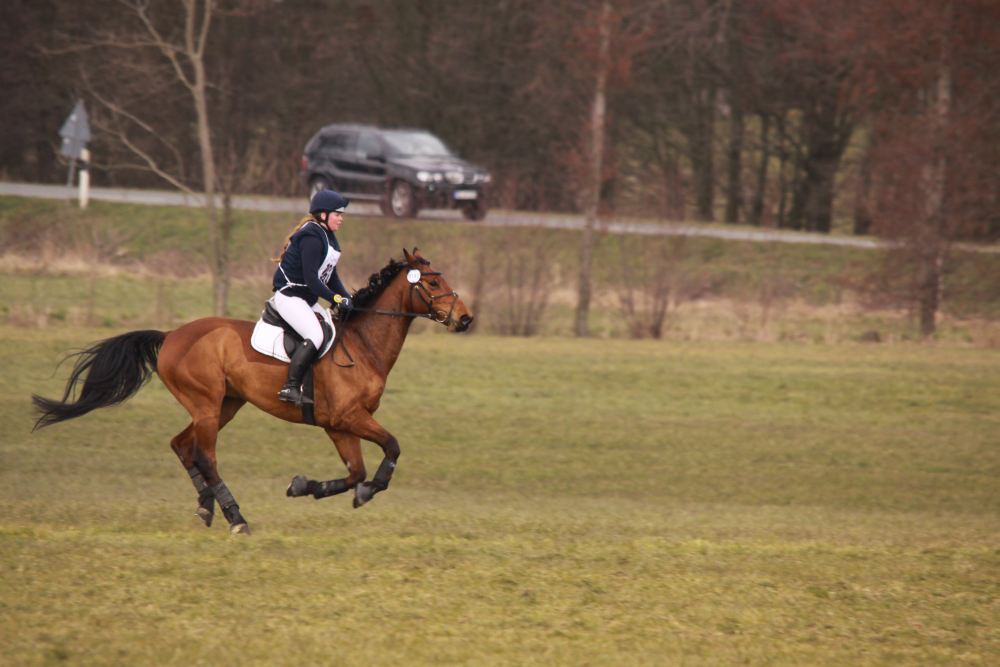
(328, 200)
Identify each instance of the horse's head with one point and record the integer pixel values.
(430, 293)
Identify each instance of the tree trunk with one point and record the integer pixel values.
(597, 122)
(673, 200)
(700, 143)
(930, 287)
(217, 230)
(934, 239)
(812, 203)
(862, 197)
(222, 280)
(826, 138)
(734, 195)
(757, 208)
(782, 174)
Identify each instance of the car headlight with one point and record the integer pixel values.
(424, 176)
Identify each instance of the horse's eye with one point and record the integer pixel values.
(435, 284)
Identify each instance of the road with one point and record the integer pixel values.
(498, 218)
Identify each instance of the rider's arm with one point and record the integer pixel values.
(313, 254)
(337, 285)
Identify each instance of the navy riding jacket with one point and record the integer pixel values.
(298, 272)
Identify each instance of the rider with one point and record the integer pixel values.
(307, 270)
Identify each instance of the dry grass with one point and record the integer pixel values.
(759, 291)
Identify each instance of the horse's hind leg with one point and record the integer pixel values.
(195, 462)
(206, 430)
(183, 446)
(349, 448)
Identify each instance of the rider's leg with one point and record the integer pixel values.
(301, 317)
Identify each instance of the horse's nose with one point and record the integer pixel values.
(463, 323)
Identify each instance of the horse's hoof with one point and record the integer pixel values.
(297, 487)
(239, 529)
(362, 494)
(206, 516)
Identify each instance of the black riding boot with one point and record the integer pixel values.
(302, 357)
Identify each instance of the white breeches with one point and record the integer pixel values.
(300, 315)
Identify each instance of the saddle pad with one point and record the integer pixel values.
(269, 340)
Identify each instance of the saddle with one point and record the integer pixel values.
(274, 337)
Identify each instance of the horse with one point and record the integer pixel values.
(212, 371)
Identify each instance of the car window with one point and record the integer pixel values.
(339, 141)
(368, 144)
(403, 143)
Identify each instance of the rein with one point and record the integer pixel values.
(395, 313)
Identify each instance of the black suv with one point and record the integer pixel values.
(403, 170)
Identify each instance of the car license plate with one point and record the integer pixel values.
(466, 194)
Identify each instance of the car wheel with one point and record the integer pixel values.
(474, 211)
(402, 200)
(318, 183)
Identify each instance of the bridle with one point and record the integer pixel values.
(421, 290)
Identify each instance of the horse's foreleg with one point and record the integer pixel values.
(349, 448)
(369, 429)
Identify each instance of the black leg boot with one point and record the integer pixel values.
(303, 356)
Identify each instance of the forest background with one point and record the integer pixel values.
(838, 116)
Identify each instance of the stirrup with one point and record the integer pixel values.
(292, 394)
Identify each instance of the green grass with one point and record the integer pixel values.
(558, 501)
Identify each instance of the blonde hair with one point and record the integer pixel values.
(302, 223)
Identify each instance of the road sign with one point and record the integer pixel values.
(75, 131)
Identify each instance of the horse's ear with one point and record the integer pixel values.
(408, 256)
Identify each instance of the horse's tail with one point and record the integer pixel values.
(116, 368)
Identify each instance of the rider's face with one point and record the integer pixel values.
(333, 220)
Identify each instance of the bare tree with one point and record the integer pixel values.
(128, 87)
(596, 164)
(654, 282)
(933, 160)
(526, 288)
(512, 288)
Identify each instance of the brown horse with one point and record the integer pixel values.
(210, 368)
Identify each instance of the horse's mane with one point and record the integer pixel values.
(379, 280)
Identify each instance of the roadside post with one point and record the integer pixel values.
(75, 134)
(84, 194)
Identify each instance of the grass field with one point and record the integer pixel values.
(558, 502)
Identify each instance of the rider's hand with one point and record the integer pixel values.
(342, 306)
